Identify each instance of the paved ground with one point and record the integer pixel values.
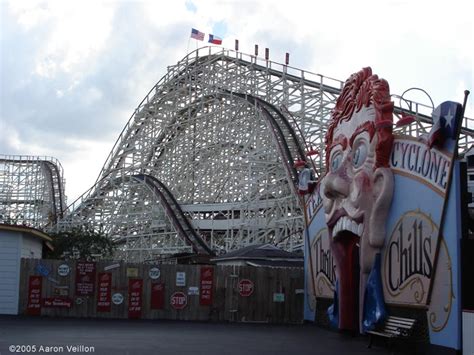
(54, 335)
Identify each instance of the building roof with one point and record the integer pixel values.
(277, 263)
(24, 229)
(260, 252)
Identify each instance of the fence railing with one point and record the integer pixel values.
(109, 289)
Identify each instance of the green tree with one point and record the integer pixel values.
(80, 243)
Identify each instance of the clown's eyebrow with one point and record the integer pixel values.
(340, 139)
(368, 126)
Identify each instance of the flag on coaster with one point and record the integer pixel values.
(214, 39)
(446, 118)
(197, 34)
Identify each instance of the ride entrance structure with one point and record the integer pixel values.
(384, 225)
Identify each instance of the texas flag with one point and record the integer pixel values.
(446, 118)
(214, 39)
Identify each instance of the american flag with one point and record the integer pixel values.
(197, 34)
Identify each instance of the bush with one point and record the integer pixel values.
(80, 243)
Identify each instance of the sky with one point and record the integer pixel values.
(72, 72)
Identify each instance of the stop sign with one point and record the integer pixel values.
(178, 300)
(245, 287)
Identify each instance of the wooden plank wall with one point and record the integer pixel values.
(228, 305)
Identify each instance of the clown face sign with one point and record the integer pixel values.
(357, 190)
(371, 244)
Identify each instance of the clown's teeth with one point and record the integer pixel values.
(353, 227)
(344, 223)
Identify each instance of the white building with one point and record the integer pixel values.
(16, 242)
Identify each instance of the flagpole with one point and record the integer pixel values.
(448, 190)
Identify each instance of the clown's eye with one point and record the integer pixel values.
(336, 161)
(359, 155)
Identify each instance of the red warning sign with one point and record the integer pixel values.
(245, 287)
(179, 300)
(34, 296)
(135, 288)
(207, 277)
(157, 295)
(104, 295)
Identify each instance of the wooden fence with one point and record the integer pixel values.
(186, 292)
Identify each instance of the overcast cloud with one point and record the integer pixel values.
(72, 72)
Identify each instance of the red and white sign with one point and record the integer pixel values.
(245, 287)
(105, 292)
(57, 302)
(85, 278)
(135, 288)
(207, 277)
(157, 295)
(179, 300)
(34, 295)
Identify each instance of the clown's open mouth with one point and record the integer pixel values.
(346, 224)
(340, 221)
(346, 233)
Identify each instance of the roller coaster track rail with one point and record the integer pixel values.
(32, 190)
